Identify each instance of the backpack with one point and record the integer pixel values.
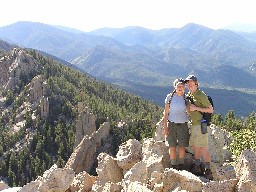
(208, 116)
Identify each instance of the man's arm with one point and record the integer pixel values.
(202, 109)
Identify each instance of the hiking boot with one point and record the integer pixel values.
(175, 167)
(208, 174)
(202, 166)
(182, 167)
(196, 170)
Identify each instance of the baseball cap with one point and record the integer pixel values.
(178, 81)
(190, 77)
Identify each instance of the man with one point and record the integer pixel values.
(176, 124)
(199, 141)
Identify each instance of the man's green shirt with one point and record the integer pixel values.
(200, 100)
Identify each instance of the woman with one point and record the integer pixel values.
(176, 123)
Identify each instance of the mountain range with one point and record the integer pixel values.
(145, 62)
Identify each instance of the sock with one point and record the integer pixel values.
(181, 161)
(207, 165)
(197, 162)
(173, 161)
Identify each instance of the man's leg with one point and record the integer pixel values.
(197, 168)
(206, 154)
(197, 153)
(207, 159)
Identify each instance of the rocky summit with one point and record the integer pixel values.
(142, 166)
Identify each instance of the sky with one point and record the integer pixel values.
(88, 15)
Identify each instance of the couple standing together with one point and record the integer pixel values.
(177, 114)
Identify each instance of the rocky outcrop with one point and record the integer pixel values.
(37, 88)
(219, 139)
(149, 174)
(143, 166)
(82, 159)
(246, 171)
(54, 179)
(44, 105)
(3, 186)
(14, 65)
(85, 123)
(82, 182)
(20, 66)
(129, 154)
(108, 173)
(37, 94)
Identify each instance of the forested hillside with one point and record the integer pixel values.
(27, 150)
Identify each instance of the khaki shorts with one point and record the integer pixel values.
(198, 139)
